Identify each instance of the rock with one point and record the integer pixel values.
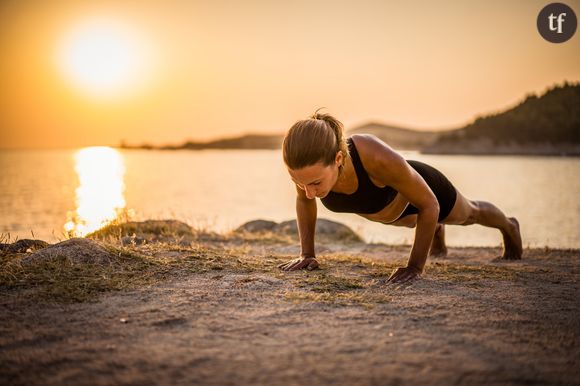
(153, 231)
(133, 240)
(76, 250)
(143, 229)
(257, 226)
(22, 246)
(327, 229)
(185, 243)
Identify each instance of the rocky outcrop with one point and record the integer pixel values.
(257, 226)
(151, 227)
(152, 231)
(76, 250)
(326, 229)
(23, 246)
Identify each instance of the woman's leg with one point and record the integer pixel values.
(438, 247)
(467, 212)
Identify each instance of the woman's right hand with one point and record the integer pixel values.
(303, 262)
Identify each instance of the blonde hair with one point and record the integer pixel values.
(314, 140)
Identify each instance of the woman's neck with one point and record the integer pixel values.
(346, 181)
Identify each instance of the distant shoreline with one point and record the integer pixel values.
(473, 148)
(545, 125)
(522, 153)
(487, 147)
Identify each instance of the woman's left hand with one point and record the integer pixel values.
(405, 274)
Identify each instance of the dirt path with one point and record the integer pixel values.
(469, 321)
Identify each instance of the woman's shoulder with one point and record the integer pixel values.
(374, 153)
(370, 147)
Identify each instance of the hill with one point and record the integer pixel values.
(397, 137)
(546, 124)
(250, 141)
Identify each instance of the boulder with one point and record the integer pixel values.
(22, 246)
(142, 229)
(133, 240)
(76, 250)
(256, 226)
(327, 229)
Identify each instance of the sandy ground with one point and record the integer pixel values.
(469, 321)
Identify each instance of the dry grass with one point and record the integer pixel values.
(61, 280)
(456, 272)
(336, 289)
(345, 279)
(365, 299)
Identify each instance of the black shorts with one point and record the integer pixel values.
(441, 187)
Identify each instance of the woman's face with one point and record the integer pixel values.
(317, 180)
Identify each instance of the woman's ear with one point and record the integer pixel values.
(339, 158)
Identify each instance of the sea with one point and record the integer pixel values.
(56, 194)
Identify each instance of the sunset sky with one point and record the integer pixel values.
(80, 73)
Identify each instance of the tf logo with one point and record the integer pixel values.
(556, 22)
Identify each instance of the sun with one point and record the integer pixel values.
(103, 58)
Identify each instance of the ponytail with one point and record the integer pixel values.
(338, 130)
(314, 140)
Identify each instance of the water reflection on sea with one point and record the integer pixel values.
(99, 197)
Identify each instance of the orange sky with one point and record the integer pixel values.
(223, 68)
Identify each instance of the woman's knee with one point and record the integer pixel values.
(464, 212)
(472, 215)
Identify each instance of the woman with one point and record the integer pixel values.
(363, 175)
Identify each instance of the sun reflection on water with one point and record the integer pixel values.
(100, 194)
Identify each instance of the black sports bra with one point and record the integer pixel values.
(368, 197)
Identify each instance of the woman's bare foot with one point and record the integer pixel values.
(438, 247)
(512, 241)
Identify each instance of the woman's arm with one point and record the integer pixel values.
(414, 188)
(424, 232)
(306, 221)
(390, 168)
